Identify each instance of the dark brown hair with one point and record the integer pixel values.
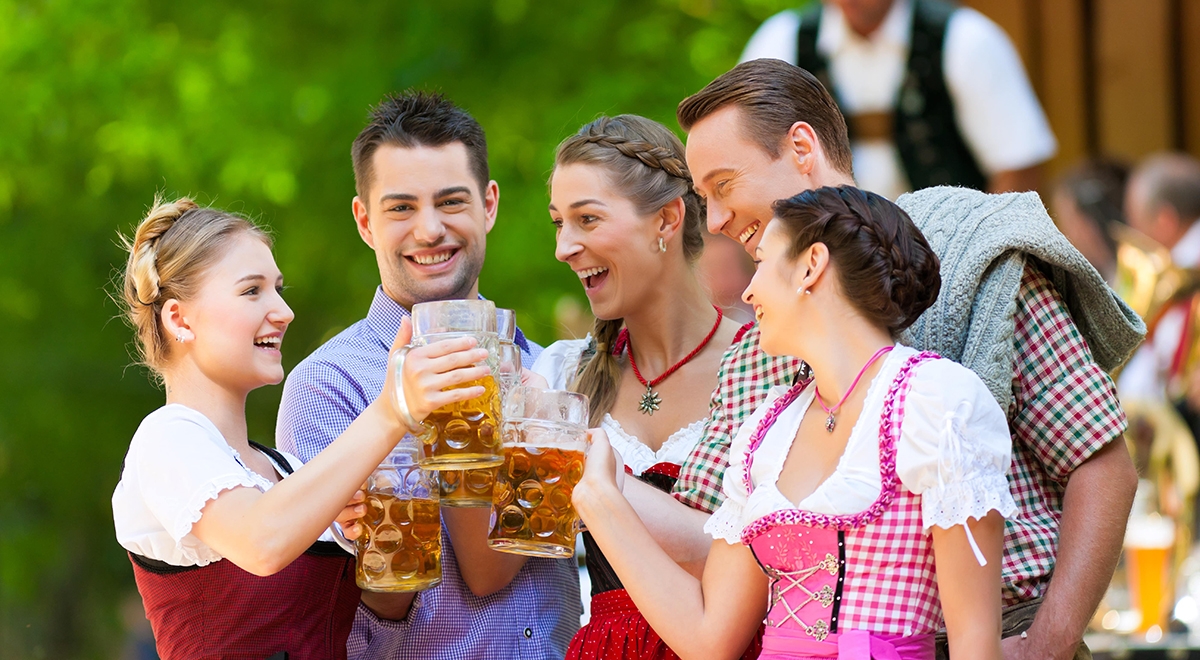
(772, 96)
(645, 163)
(885, 266)
(417, 119)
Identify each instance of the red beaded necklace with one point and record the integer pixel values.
(651, 401)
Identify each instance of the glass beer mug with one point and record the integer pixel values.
(464, 434)
(473, 488)
(400, 548)
(545, 441)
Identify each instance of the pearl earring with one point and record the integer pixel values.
(807, 292)
(179, 336)
(662, 246)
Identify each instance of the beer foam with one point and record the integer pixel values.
(1150, 531)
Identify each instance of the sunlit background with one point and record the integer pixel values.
(253, 108)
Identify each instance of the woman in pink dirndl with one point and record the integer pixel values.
(865, 505)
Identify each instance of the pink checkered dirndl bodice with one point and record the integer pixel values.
(857, 586)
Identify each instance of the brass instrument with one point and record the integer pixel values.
(1147, 278)
(1159, 440)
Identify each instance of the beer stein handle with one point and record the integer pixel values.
(336, 530)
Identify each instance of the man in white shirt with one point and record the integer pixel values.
(933, 94)
(1163, 202)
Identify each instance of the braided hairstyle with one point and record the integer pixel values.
(645, 163)
(169, 253)
(885, 266)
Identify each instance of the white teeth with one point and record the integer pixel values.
(584, 274)
(430, 259)
(268, 342)
(747, 233)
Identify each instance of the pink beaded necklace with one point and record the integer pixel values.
(830, 422)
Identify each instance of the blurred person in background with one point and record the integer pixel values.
(1163, 202)
(933, 94)
(1087, 201)
(631, 227)
(725, 271)
(425, 205)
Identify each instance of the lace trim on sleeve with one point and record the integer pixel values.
(726, 523)
(191, 513)
(947, 505)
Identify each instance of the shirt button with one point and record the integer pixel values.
(528, 633)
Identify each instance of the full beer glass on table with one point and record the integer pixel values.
(545, 441)
(466, 434)
(400, 548)
(473, 488)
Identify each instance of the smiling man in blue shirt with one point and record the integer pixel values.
(425, 205)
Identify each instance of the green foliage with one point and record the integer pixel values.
(254, 108)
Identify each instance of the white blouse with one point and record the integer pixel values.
(559, 363)
(954, 450)
(177, 462)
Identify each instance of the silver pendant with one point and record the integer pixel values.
(650, 402)
(830, 422)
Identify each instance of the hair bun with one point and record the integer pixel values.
(143, 249)
(884, 263)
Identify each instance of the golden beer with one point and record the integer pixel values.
(400, 548)
(464, 434)
(1149, 539)
(532, 513)
(467, 488)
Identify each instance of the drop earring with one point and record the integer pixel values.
(662, 245)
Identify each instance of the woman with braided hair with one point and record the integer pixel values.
(224, 548)
(865, 505)
(629, 224)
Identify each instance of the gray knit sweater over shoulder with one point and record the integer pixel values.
(984, 241)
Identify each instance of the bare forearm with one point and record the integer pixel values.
(1095, 509)
(671, 599)
(676, 527)
(484, 570)
(264, 532)
(1022, 180)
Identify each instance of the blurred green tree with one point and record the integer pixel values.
(253, 109)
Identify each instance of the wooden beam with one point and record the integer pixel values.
(1135, 95)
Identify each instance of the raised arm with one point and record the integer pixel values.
(263, 533)
(673, 601)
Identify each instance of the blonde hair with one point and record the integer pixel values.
(645, 161)
(169, 253)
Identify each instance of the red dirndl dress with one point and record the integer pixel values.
(617, 628)
(221, 612)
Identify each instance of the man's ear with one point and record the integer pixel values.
(362, 220)
(801, 146)
(491, 205)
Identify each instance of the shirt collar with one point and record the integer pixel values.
(385, 316)
(834, 32)
(1186, 252)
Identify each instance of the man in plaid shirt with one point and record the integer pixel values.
(767, 130)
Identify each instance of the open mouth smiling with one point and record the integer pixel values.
(749, 232)
(592, 277)
(432, 258)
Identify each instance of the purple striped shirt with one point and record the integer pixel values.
(535, 616)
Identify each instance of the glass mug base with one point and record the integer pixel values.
(531, 548)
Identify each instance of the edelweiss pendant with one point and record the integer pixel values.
(830, 422)
(650, 402)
